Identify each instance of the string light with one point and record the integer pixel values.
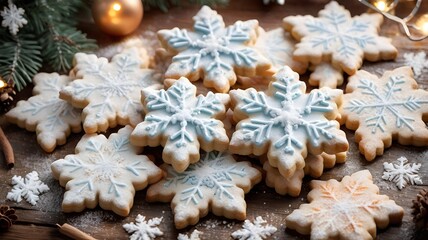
(385, 8)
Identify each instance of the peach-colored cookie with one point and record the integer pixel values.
(314, 166)
(214, 52)
(109, 92)
(385, 109)
(52, 118)
(350, 209)
(336, 37)
(182, 123)
(105, 172)
(286, 123)
(216, 183)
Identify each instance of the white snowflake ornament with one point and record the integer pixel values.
(213, 52)
(286, 123)
(254, 231)
(182, 122)
(418, 62)
(105, 172)
(340, 38)
(109, 93)
(193, 236)
(216, 183)
(13, 18)
(402, 173)
(52, 118)
(28, 188)
(385, 109)
(142, 229)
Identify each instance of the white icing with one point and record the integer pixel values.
(28, 188)
(13, 18)
(402, 172)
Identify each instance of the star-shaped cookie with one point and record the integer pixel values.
(52, 118)
(182, 123)
(286, 123)
(336, 36)
(216, 183)
(385, 109)
(109, 93)
(214, 52)
(105, 172)
(350, 209)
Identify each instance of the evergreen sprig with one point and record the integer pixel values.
(165, 4)
(50, 37)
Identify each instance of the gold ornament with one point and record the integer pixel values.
(117, 17)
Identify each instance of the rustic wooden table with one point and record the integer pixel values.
(38, 222)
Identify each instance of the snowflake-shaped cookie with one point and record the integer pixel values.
(418, 62)
(286, 123)
(384, 109)
(109, 93)
(182, 123)
(216, 183)
(104, 171)
(28, 188)
(402, 173)
(278, 47)
(325, 75)
(13, 18)
(350, 209)
(45, 113)
(338, 37)
(213, 52)
(258, 230)
(314, 166)
(142, 229)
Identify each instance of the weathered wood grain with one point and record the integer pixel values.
(38, 222)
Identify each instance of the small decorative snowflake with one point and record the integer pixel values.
(402, 173)
(278, 46)
(254, 231)
(106, 171)
(418, 62)
(142, 229)
(349, 209)
(216, 181)
(51, 117)
(325, 75)
(28, 188)
(385, 108)
(336, 35)
(286, 123)
(193, 236)
(184, 121)
(109, 93)
(280, 2)
(12, 18)
(213, 52)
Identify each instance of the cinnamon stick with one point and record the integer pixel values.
(7, 149)
(72, 232)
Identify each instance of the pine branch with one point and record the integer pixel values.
(20, 58)
(60, 42)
